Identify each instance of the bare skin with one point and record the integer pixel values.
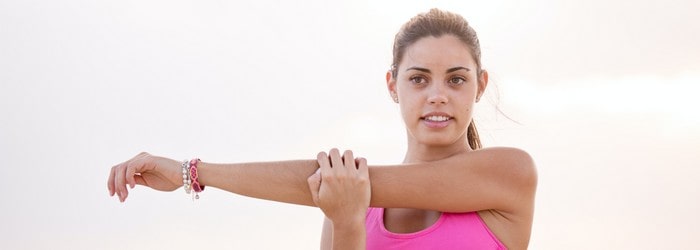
(495, 176)
(440, 172)
(439, 77)
(341, 188)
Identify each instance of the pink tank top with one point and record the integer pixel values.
(450, 231)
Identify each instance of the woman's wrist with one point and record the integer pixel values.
(350, 223)
(205, 171)
(349, 229)
(352, 235)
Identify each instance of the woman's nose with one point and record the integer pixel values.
(437, 94)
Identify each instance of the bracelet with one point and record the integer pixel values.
(186, 183)
(194, 178)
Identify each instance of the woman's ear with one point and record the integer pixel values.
(483, 82)
(391, 86)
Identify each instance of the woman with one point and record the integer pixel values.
(448, 193)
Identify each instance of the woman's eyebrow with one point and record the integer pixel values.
(450, 70)
(419, 69)
(457, 68)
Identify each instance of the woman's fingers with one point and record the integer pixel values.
(362, 166)
(336, 160)
(119, 181)
(124, 174)
(323, 161)
(110, 181)
(144, 169)
(349, 160)
(130, 172)
(342, 190)
(135, 165)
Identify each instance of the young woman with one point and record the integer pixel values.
(449, 193)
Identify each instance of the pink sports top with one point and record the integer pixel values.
(450, 231)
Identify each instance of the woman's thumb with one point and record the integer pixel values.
(314, 185)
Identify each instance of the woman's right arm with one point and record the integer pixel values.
(278, 181)
(497, 178)
(283, 181)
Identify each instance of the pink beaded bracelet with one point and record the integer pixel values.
(194, 178)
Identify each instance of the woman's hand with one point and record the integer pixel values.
(341, 188)
(156, 172)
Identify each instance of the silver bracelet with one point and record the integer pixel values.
(186, 182)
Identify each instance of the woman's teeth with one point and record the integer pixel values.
(436, 118)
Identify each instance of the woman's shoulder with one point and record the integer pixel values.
(513, 161)
(506, 153)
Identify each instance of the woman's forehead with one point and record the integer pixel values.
(446, 51)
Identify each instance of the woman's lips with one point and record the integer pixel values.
(436, 121)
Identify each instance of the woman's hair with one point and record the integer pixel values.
(437, 23)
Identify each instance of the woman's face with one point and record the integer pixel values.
(437, 85)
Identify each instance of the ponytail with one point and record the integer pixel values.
(473, 136)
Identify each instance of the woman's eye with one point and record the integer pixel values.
(457, 81)
(418, 80)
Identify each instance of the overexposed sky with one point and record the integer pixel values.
(604, 91)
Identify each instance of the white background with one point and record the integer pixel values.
(605, 94)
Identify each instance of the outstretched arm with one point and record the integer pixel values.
(494, 178)
(497, 178)
(503, 179)
(283, 181)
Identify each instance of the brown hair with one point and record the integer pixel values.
(437, 23)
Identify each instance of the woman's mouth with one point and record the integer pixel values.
(436, 121)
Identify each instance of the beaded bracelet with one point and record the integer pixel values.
(194, 178)
(186, 183)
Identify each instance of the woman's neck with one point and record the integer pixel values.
(418, 152)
